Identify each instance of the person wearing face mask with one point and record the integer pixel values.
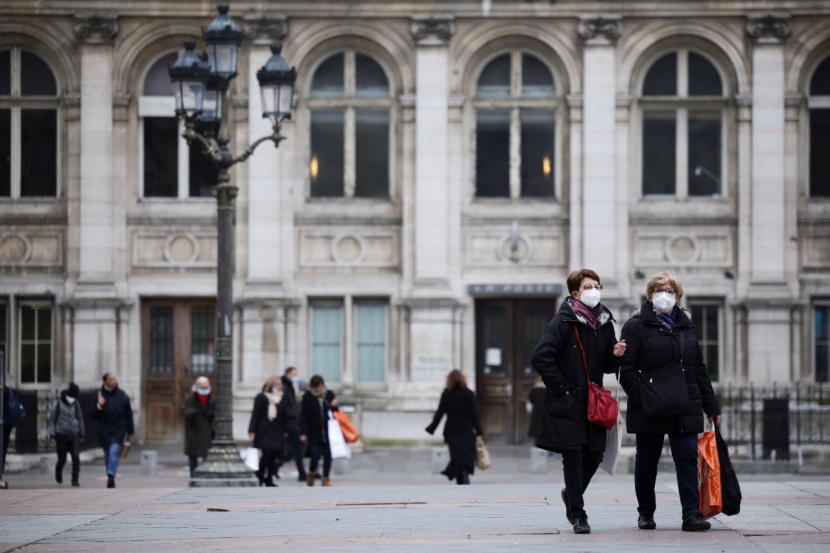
(65, 425)
(660, 334)
(557, 358)
(267, 428)
(317, 403)
(199, 411)
(290, 380)
(115, 423)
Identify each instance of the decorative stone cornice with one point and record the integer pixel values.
(96, 28)
(432, 30)
(772, 27)
(267, 29)
(607, 29)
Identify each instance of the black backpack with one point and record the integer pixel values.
(15, 412)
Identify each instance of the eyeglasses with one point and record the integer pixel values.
(592, 287)
(669, 291)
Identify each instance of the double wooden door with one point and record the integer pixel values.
(507, 330)
(177, 347)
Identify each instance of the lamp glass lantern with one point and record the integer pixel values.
(189, 77)
(222, 41)
(276, 82)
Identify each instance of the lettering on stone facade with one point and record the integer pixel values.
(514, 289)
(430, 368)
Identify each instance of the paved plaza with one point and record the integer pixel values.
(389, 500)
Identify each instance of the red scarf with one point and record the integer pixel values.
(203, 399)
(590, 315)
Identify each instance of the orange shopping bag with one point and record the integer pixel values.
(350, 433)
(708, 474)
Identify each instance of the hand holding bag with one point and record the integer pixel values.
(337, 443)
(602, 408)
(482, 455)
(708, 474)
(663, 391)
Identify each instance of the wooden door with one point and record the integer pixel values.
(177, 347)
(506, 333)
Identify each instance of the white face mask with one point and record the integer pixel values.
(275, 390)
(663, 302)
(591, 297)
(70, 400)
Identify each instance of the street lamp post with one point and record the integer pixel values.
(200, 84)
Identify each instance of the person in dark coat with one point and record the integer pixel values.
(115, 423)
(317, 404)
(653, 335)
(199, 411)
(292, 414)
(267, 428)
(558, 360)
(65, 426)
(459, 404)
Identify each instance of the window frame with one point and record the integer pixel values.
(15, 102)
(36, 303)
(700, 331)
(384, 305)
(814, 343)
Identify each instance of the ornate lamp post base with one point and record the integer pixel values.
(224, 468)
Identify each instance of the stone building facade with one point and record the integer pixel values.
(447, 165)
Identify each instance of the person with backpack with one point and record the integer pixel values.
(65, 425)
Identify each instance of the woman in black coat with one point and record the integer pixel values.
(655, 334)
(267, 428)
(198, 411)
(558, 360)
(461, 429)
(317, 404)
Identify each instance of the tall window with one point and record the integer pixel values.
(170, 168)
(684, 112)
(371, 341)
(819, 104)
(28, 126)
(515, 104)
(821, 323)
(706, 318)
(35, 324)
(327, 340)
(4, 335)
(350, 105)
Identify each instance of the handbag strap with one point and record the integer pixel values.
(582, 351)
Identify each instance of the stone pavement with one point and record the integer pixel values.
(390, 501)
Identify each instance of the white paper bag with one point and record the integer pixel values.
(613, 443)
(250, 456)
(337, 443)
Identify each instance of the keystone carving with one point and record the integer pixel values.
(96, 29)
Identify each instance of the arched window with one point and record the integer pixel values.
(350, 104)
(683, 106)
(819, 104)
(515, 106)
(169, 167)
(28, 126)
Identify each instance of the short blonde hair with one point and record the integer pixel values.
(659, 280)
(272, 382)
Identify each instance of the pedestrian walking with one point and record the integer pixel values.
(317, 405)
(115, 423)
(661, 337)
(458, 403)
(199, 411)
(65, 426)
(267, 428)
(290, 379)
(559, 360)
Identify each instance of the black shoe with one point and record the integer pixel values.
(75, 484)
(110, 481)
(581, 526)
(564, 495)
(301, 478)
(646, 522)
(695, 523)
(58, 477)
(269, 483)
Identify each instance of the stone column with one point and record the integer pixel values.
(599, 192)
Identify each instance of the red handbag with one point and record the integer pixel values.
(602, 407)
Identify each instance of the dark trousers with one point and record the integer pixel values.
(7, 432)
(579, 466)
(268, 464)
(193, 462)
(684, 453)
(68, 444)
(317, 449)
(298, 447)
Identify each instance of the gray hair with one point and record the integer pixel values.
(199, 381)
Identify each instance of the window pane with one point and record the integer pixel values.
(704, 153)
(371, 342)
(495, 79)
(4, 337)
(659, 152)
(704, 79)
(493, 154)
(5, 152)
(27, 363)
(28, 323)
(537, 82)
(161, 157)
(203, 172)
(325, 335)
(36, 79)
(661, 79)
(372, 152)
(201, 339)
(534, 320)
(820, 83)
(328, 79)
(822, 343)
(44, 362)
(38, 152)
(44, 325)
(157, 82)
(537, 145)
(707, 329)
(494, 335)
(161, 340)
(5, 73)
(819, 148)
(327, 154)
(371, 79)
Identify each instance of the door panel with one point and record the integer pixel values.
(177, 347)
(506, 333)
